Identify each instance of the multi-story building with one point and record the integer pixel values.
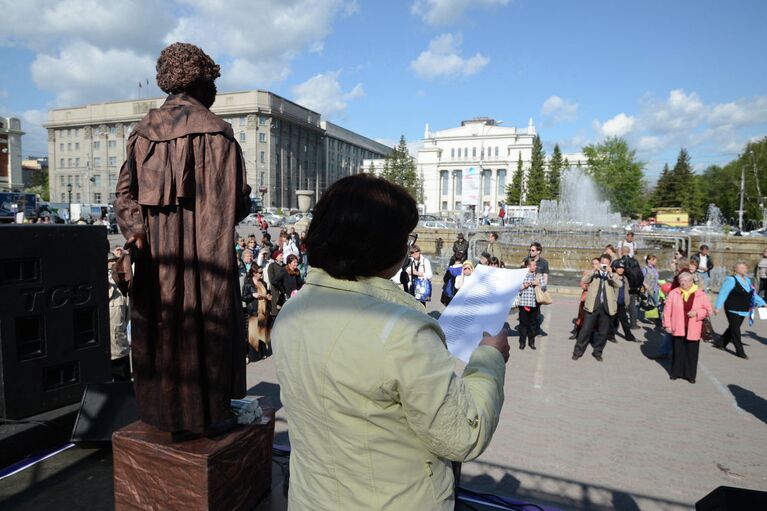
(286, 146)
(480, 148)
(11, 178)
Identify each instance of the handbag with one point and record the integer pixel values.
(422, 289)
(542, 297)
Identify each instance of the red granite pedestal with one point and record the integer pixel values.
(230, 472)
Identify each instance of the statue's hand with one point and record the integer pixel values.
(138, 240)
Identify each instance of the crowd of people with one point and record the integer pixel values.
(270, 274)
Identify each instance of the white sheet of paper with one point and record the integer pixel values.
(762, 312)
(481, 305)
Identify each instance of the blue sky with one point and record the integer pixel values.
(663, 74)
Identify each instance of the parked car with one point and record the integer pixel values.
(664, 228)
(293, 219)
(706, 229)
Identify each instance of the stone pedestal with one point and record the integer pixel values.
(304, 200)
(230, 472)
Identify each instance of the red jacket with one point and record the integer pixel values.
(674, 316)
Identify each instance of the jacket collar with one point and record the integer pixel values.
(377, 287)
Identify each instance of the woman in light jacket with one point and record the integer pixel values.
(376, 411)
(737, 297)
(686, 308)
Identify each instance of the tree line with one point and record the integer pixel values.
(618, 173)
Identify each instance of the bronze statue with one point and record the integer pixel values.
(180, 194)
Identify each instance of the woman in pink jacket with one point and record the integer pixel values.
(686, 308)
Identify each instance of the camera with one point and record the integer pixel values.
(603, 267)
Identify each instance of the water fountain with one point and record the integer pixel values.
(580, 207)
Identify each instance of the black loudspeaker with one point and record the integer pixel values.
(105, 408)
(54, 316)
(727, 498)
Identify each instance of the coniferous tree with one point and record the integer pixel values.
(536, 185)
(556, 165)
(687, 193)
(372, 169)
(665, 190)
(514, 191)
(399, 168)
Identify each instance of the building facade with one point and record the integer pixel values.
(286, 146)
(11, 177)
(479, 147)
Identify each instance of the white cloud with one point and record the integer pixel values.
(443, 59)
(82, 73)
(44, 25)
(322, 93)
(618, 126)
(559, 110)
(261, 36)
(441, 12)
(743, 112)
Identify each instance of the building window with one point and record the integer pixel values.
(487, 182)
(61, 180)
(112, 161)
(496, 151)
(482, 153)
(113, 130)
(69, 146)
(61, 163)
(465, 152)
(61, 147)
(443, 182)
(63, 197)
(243, 137)
(97, 198)
(111, 144)
(444, 205)
(112, 180)
(77, 179)
(77, 197)
(97, 180)
(457, 205)
(77, 145)
(96, 162)
(77, 162)
(473, 152)
(452, 153)
(69, 162)
(262, 157)
(97, 144)
(501, 183)
(262, 137)
(458, 187)
(69, 179)
(261, 120)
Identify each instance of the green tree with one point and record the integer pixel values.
(40, 185)
(685, 187)
(663, 195)
(556, 165)
(514, 191)
(372, 169)
(536, 185)
(618, 174)
(399, 168)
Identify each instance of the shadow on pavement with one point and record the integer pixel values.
(549, 490)
(750, 402)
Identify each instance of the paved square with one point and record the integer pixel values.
(618, 434)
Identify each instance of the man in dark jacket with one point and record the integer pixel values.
(705, 265)
(461, 245)
(635, 279)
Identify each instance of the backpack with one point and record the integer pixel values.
(633, 274)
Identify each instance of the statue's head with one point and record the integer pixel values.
(183, 68)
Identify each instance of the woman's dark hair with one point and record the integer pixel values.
(252, 271)
(360, 227)
(290, 259)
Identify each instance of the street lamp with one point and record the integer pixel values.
(69, 208)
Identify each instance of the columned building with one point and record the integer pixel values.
(479, 147)
(286, 146)
(11, 178)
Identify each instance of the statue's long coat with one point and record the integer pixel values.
(183, 185)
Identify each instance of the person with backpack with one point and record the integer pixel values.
(635, 280)
(454, 269)
(621, 317)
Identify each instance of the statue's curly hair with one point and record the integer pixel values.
(182, 64)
